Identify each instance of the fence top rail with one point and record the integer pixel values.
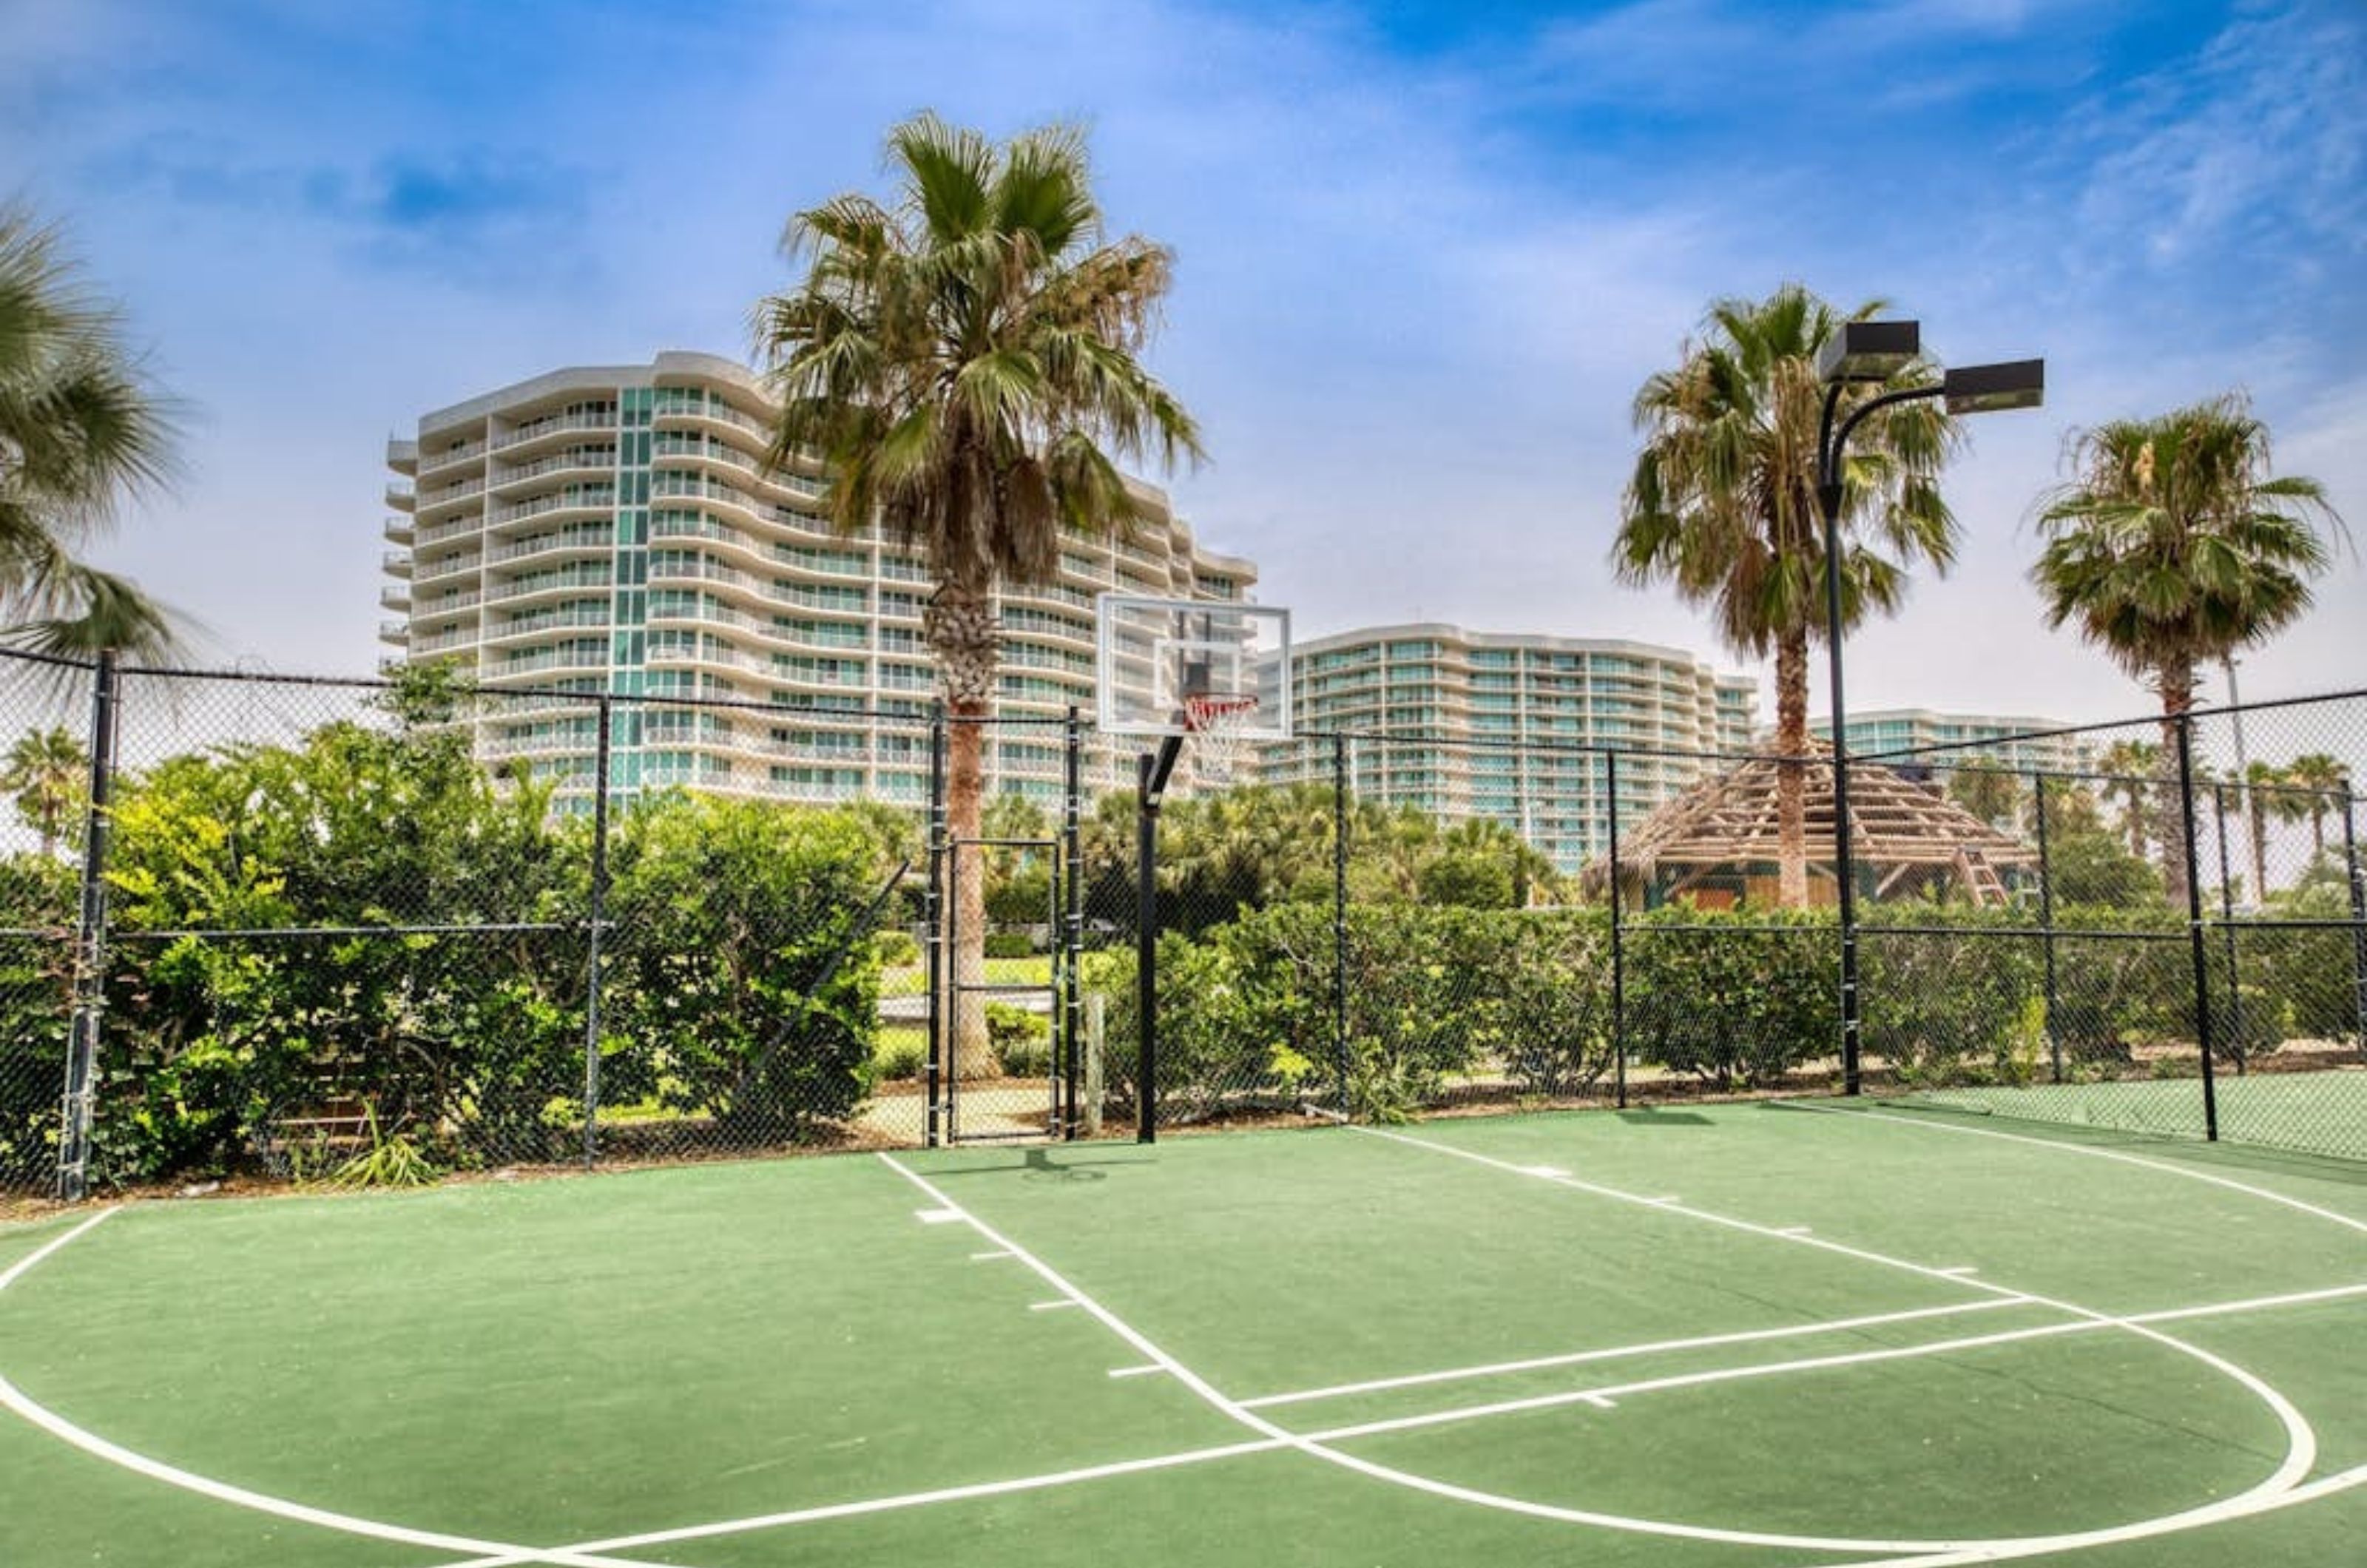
(2235, 711)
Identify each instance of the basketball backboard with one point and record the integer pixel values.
(1166, 665)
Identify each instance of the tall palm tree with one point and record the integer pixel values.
(48, 773)
(1723, 504)
(958, 360)
(2173, 545)
(2324, 779)
(80, 431)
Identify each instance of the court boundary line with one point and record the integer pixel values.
(1920, 1554)
(1820, 1363)
(2258, 1498)
(40, 1416)
(1877, 1113)
(1621, 1352)
(969, 1492)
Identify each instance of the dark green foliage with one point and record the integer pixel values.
(1740, 1002)
(225, 1050)
(1009, 945)
(1021, 1040)
(37, 894)
(731, 915)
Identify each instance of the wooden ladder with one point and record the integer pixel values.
(1980, 878)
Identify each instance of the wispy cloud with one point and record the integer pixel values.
(475, 216)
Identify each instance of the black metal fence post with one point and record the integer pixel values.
(600, 776)
(90, 945)
(2227, 929)
(933, 923)
(1339, 824)
(2046, 922)
(1146, 955)
(1618, 937)
(2358, 910)
(2194, 924)
(1071, 943)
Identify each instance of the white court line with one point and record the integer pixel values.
(1048, 1306)
(1820, 1363)
(17, 1400)
(2301, 1452)
(1198, 1456)
(1620, 1353)
(1892, 1119)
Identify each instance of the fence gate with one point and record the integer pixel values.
(1004, 1051)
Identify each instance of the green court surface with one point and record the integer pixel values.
(2314, 1112)
(1740, 1337)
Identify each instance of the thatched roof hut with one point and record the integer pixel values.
(1716, 844)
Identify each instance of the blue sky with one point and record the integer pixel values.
(1426, 255)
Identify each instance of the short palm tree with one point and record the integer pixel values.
(80, 431)
(1723, 504)
(2322, 781)
(958, 361)
(2173, 545)
(48, 773)
(2130, 768)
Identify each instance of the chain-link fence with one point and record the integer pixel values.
(371, 930)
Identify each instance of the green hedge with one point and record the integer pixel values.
(224, 1053)
(1444, 1002)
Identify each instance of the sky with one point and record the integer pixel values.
(1426, 254)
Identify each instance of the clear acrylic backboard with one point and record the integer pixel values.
(1187, 666)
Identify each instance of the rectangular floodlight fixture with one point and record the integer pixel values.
(1868, 350)
(1984, 388)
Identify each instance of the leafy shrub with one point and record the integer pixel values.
(1009, 945)
(1738, 999)
(896, 949)
(901, 1053)
(1021, 1040)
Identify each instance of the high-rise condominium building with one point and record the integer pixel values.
(1470, 725)
(1991, 737)
(610, 530)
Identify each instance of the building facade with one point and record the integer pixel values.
(1510, 728)
(2014, 742)
(611, 530)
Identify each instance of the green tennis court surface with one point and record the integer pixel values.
(1743, 1335)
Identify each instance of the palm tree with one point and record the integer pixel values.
(48, 773)
(1723, 503)
(2324, 780)
(2130, 767)
(956, 361)
(2172, 545)
(80, 431)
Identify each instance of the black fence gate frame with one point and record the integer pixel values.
(943, 934)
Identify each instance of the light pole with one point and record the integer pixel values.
(1858, 353)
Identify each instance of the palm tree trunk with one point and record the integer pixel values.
(960, 628)
(2260, 825)
(1791, 781)
(2177, 687)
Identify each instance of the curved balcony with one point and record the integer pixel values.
(398, 530)
(598, 540)
(450, 604)
(545, 584)
(436, 533)
(447, 456)
(541, 623)
(550, 426)
(430, 569)
(594, 499)
(395, 563)
(600, 460)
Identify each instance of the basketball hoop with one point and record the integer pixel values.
(1217, 721)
